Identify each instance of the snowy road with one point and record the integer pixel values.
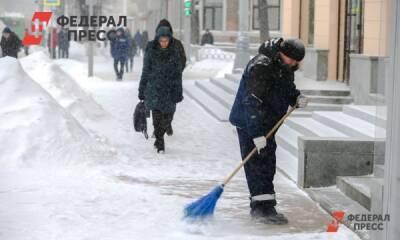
(140, 194)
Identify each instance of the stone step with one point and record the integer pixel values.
(286, 137)
(228, 86)
(216, 93)
(212, 106)
(359, 188)
(322, 107)
(310, 127)
(372, 114)
(287, 163)
(331, 199)
(318, 92)
(379, 170)
(330, 99)
(345, 123)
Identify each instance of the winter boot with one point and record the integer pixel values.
(169, 131)
(268, 216)
(159, 145)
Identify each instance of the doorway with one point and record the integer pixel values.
(353, 37)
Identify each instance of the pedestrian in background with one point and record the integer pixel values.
(26, 47)
(145, 41)
(207, 38)
(52, 42)
(119, 51)
(138, 41)
(10, 43)
(63, 45)
(131, 53)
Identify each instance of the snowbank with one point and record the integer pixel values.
(35, 130)
(61, 86)
(208, 68)
(68, 93)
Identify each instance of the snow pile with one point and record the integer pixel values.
(35, 130)
(68, 93)
(37, 48)
(62, 87)
(213, 62)
(208, 52)
(208, 68)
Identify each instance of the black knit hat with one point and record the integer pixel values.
(165, 23)
(7, 30)
(163, 32)
(293, 48)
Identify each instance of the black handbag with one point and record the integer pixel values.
(139, 118)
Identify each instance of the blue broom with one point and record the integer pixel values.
(204, 207)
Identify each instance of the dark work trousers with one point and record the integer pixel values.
(53, 53)
(161, 121)
(260, 170)
(63, 52)
(119, 70)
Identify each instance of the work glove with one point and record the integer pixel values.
(260, 142)
(302, 101)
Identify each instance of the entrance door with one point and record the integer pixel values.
(353, 34)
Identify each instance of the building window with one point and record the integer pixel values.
(274, 15)
(213, 14)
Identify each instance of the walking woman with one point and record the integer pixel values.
(161, 83)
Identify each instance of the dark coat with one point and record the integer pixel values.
(11, 46)
(161, 82)
(207, 38)
(138, 39)
(132, 45)
(120, 46)
(145, 40)
(265, 92)
(63, 41)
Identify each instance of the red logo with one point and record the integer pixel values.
(334, 225)
(39, 21)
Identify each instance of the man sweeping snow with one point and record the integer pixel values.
(265, 92)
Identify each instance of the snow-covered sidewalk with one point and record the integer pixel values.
(122, 189)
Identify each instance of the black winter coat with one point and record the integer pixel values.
(63, 41)
(161, 82)
(265, 92)
(11, 46)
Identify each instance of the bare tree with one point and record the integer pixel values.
(263, 20)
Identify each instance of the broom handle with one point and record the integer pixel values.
(250, 155)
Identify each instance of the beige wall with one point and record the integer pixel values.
(375, 27)
(290, 18)
(304, 21)
(326, 31)
(342, 20)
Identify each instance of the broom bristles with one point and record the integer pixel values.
(203, 207)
